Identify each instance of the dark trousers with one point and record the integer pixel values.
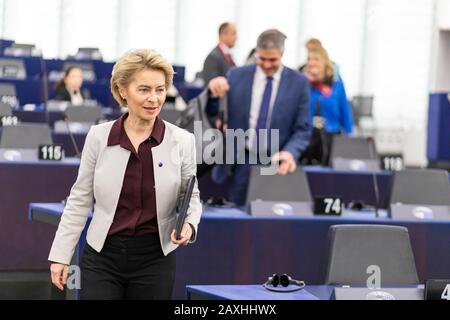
(319, 149)
(127, 268)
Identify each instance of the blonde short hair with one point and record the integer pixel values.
(323, 55)
(134, 61)
(313, 43)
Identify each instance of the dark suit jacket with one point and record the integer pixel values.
(64, 95)
(290, 113)
(215, 65)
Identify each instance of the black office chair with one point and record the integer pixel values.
(88, 53)
(195, 114)
(27, 46)
(354, 153)
(8, 94)
(362, 107)
(80, 119)
(278, 195)
(420, 194)
(291, 187)
(84, 114)
(353, 248)
(25, 136)
(421, 186)
(22, 50)
(5, 109)
(170, 114)
(12, 68)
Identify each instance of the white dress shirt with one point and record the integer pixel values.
(76, 99)
(259, 84)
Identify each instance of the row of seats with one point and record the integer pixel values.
(347, 153)
(33, 78)
(77, 119)
(413, 193)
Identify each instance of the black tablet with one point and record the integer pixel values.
(185, 206)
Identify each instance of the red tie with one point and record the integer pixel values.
(229, 59)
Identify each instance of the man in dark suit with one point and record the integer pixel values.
(263, 96)
(219, 60)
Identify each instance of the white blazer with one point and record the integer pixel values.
(100, 179)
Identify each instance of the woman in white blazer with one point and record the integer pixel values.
(133, 172)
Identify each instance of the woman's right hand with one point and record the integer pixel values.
(59, 273)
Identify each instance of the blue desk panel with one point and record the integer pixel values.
(252, 292)
(27, 91)
(235, 248)
(438, 138)
(25, 244)
(52, 116)
(257, 292)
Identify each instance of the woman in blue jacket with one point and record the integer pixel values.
(330, 111)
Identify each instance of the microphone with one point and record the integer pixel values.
(72, 138)
(45, 88)
(324, 142)
(374, 176)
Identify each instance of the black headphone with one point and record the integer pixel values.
(285, 281)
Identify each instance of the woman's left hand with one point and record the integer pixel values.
(186, 234)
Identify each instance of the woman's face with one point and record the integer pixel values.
(315, 67)
(145, 94)
(74, 79)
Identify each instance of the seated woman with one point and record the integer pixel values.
(69, 87)
(330, 110)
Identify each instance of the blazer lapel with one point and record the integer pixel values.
(281, 93)
(111, 174)
(167, 173)
(247, 91)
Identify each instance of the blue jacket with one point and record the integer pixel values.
(290, 111)
(335, 108)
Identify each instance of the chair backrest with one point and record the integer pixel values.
(353, 248)
(25, 136)
(195, 114)
(353, 148)
(362, 106)
(12, 68)
(28, 46)
(8, 94)
(84, 114)
(421, 186)
(291, 187)
(170, 114)
(89, 54)
(22, 50)
(5, 109)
